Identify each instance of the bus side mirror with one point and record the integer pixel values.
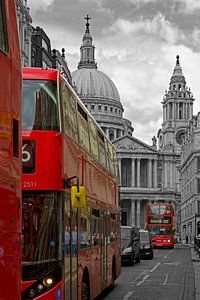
(78, 198)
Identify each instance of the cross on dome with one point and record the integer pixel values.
(87, 24)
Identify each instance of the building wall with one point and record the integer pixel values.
(190, 180)
(25, 30)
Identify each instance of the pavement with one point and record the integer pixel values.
(195, 258)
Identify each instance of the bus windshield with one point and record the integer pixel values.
(40, 105)
(157, 230)
(42, 244)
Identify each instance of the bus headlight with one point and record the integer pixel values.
(48, 281)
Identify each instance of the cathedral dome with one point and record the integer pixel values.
(91, 82)
(98, 92)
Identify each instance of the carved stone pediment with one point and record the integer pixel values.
(132, 145)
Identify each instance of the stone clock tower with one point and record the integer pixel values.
(177, 111)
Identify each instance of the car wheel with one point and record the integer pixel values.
(132, 260)
(151, 255)
(138, 258)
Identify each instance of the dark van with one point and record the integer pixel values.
(130, 244)
(146, 245)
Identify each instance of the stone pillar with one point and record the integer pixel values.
(171, 174)
(132, 212)
(115, 134)
(133, 173)
(166, 173)
(164, 113)
(173, 109)
(138, 213)
(150, 174)
(107, 132)
(155, 173)
(138, 172)
(120, 169)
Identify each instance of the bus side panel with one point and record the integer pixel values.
(10, 165)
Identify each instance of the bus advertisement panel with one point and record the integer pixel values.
(160, 222)
(71, 225)
(10, 154)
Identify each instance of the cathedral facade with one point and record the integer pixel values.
(148, 173)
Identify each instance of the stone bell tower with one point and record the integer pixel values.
(177, 111)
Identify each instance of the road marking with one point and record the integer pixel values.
(143, 280)
(144, 272)
(128, 295)
(172, 263)
(166, 278)
(154, 268)
(168, 253)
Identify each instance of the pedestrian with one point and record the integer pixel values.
(186, 239)
(67, 239)
(74, 241)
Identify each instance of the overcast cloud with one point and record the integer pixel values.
(136, 46)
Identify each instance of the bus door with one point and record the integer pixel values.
(103, 258)
(71, 247)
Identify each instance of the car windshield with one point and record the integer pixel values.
(144, 236)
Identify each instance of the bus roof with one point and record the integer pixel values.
(39, 73)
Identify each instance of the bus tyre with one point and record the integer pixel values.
(85, 288)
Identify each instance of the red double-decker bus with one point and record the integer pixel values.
(71, 242)
(160, 222)
(10, 154)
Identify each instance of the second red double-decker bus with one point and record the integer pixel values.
(10, 154)
(160, 222)
(71, 250)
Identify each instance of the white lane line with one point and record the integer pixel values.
(166, 278)
(127, 296)
(154, 267)
(144, 272)
(143, 280)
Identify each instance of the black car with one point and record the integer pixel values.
(130, 244)
(146, 245)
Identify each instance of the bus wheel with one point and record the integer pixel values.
(85, 288)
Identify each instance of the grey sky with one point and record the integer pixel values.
(136, 46)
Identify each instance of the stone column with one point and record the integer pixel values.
(164, 113)
(166, 173)
(115, 134)
(133, 173)
(120, 169)
(171, 174)
(138, 172)
(155, 173)
(107, 132)
(173, 109)
(138, 213)
(150, 174)
(132, 212)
